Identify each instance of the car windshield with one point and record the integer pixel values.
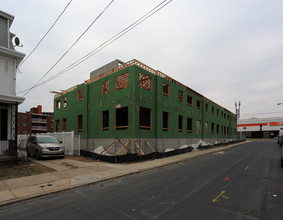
(47, 140)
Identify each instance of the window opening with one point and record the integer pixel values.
(198, 104)
(189, 125)
(212, 110)
(189, 100)
(64, 124)
(206, 127)
(180, 97)
(105, 87)
(165, 89)
(105, 120)
(80, 95)
(198, 126)
(57, 125)
(212, 128)
(206, 107)
(121, 118)
(217, 128)
(180, 126)
(122, 81)
(145, 82)
(165, 126)
(145, 118)
(64, 101)
(58, 104)
(80, 123)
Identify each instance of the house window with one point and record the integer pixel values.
(206, 107)
(58, 104)
(64, 124)
(189, 100)
(145, 82)
(212, 110)
(80, 95)
(212, 128)
(105, 87)
(165, 89)
(180, 124)
(122, 81)
(180, 96)
(206, 127)
(145, 118)
(80, 123)
(105, 120)
(165, 126)
(57, 125)
(198, 104)
(217, 128)
(217, 112)
(121, 118)
(189, 125)
(64, 101)
(198, 123)
(228, 131)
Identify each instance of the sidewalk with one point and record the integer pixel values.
(71, 173)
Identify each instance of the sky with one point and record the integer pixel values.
(228, 51)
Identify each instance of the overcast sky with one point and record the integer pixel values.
(226, 50)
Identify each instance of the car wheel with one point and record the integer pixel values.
(37, 155)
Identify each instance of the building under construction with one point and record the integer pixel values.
(130, 108)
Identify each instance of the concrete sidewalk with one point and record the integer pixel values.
(71, 173)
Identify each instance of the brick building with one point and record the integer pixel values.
(35, 121)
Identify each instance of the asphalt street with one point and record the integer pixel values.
(244, 182)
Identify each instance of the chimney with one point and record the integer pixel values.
(39, 109)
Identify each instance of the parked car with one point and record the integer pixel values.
(280, 134)
(44, 146)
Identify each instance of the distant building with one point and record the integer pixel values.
(142, 108)
(35, 121)
(9, 60)
(260, 127)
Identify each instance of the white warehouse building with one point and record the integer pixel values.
(260, 127)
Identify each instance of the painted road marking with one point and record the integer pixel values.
(220, 195)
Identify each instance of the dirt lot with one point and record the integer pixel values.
(28, 168)
(8, 171)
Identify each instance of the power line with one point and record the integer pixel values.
(45, 34)
(107, 42)
(263, 113)
(70, 47)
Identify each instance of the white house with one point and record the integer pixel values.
(9, 60)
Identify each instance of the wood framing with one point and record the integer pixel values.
(145, 82)
(122, 81)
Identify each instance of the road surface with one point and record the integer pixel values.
(244, 182)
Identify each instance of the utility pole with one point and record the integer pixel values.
(237, 107)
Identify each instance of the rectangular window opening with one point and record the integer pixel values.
(212, 128)
(180, 124)
(206, 107)
(165, 126)
(198, 123)
(122, 81)
(145, 82)
(105, 87)
(198, 104)
(64, 124)
(165, 89)
(64, 101)
(57, 125)
(206, 127)
(190, 100)
(189, 125)
(121, 118)
(105, 120)
(80, 123)
(80, 95)
(180, 95)
(145, 118)
(58, 104)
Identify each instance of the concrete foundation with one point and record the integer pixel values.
(158, 145)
